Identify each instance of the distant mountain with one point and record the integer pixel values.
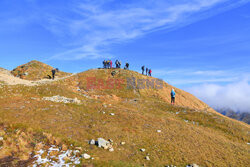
(241, 116)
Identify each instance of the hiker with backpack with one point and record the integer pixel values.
(142, 68)
(149, 72)
(126, 66)
(53, 73)
(172, 97)
(146, 71)
(104, 63)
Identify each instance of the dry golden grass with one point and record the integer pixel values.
(36, 70)
(207, 138)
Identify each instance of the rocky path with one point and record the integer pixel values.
(7, 78)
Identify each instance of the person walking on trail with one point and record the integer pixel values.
(53, 73)
(172, 97)
(149, 72)
(110, 63)
(146, 71)
(143, 68)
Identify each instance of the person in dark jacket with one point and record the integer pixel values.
(146, 71)
(116, 64)
(172, 97)
(143, 68)
(53, 73)
(126, 66)
(104, 63)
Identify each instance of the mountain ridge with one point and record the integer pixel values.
(186, 133)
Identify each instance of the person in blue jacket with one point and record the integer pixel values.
(172, 97)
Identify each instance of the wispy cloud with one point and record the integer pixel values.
(95, 26)
(88, 28)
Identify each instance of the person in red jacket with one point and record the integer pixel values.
(150, 72)
(110, 63)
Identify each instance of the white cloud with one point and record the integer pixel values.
(235, 95)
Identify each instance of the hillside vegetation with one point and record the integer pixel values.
(189, 132)
(35, 70)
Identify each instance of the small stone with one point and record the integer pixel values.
(123, 143)
(147, 158)
(111, 150)
(112, 114)
(92, 142)
(1, 138)
(143, 149)
(159, 131)
(86, 156)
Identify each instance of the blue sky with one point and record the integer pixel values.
(188, 43)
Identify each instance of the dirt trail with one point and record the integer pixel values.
(7, 78)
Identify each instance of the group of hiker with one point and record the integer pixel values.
(109, 63)
(148, 71)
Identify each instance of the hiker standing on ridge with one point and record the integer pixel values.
(143, 68)
(126, 66)
(172, 97)
(53, 73)
(104, 63)
(119, 64)
(150, 72)
(146, 71)
(116, 64)
(110, 63)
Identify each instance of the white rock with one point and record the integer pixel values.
(103, 143)
(86, 156)
(159, 131)
(123, 143)
(92, 142)
(1, 138)
(143, 149)
(111, 150)
(112, 114)
(147, 158)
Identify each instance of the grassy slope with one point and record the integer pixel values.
(207, 139)
(36, 70)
